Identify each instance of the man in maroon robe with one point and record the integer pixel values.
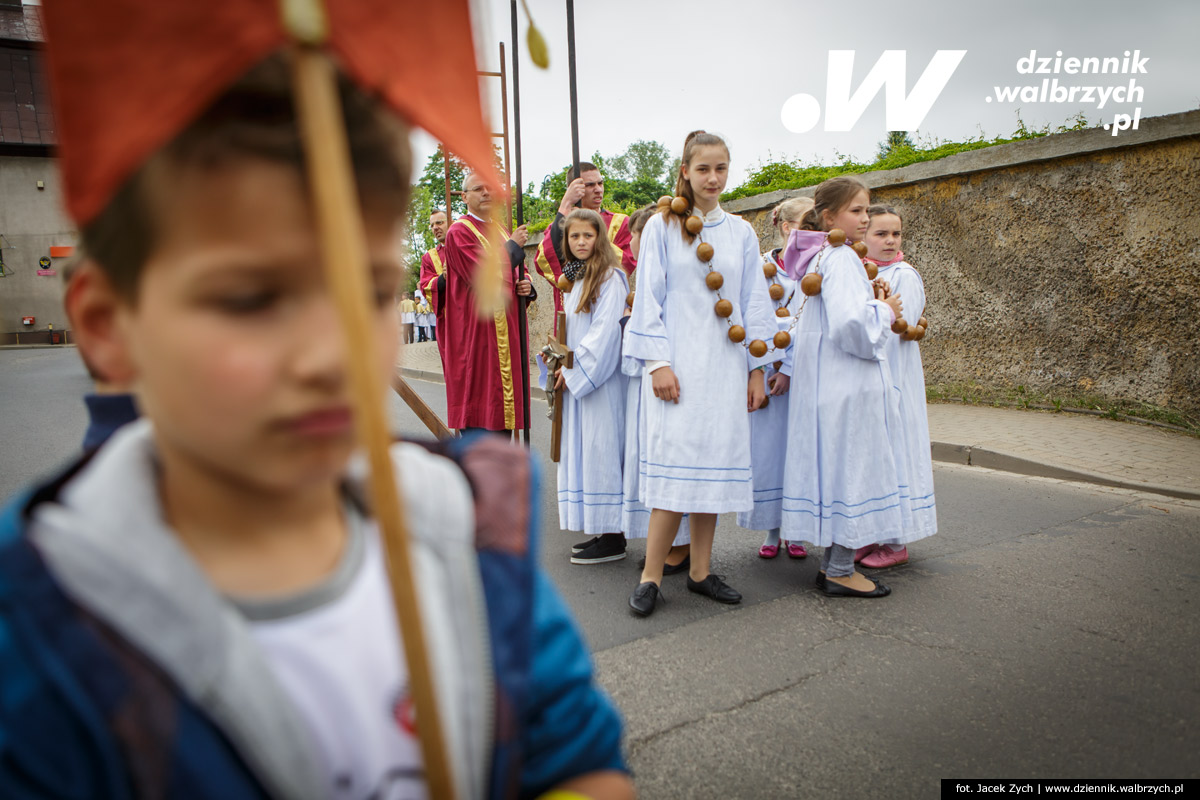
(482, 355)
(588, 191)
(432, 280)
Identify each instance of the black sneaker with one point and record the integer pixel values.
(606, 548)
(581, 546)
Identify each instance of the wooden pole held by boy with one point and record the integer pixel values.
(419, 407)
(343, 253)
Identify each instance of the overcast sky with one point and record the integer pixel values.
(656, 69)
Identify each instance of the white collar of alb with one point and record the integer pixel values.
(713, 216)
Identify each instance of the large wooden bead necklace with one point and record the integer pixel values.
(810, 285)
(775, 288)
(715, 280)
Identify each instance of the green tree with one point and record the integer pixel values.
(417, 236)
(896, 141)
(433, 180)
(641, 174)
(642, 161)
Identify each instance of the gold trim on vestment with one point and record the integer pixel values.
(502, 346)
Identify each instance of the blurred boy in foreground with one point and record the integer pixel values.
(201, 608)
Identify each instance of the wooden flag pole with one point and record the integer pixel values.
(343, 251)
(573, 92)
(419, 407)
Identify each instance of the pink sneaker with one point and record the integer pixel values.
(883, 558)
(796, 550)
(768, 551)
(863, 552)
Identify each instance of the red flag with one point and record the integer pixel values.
(127, 75)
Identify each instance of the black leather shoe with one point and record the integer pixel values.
(644, 598)
(714, 587)
(820, 580)
(671, 569)
(835, 589)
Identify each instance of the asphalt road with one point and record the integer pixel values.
(1050, 630)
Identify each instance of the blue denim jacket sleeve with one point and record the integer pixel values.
(570, 725)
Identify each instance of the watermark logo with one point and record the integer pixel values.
(1052, 90)
(844, 108)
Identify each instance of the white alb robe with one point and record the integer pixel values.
(911, 437)
(768, 426)
(842, 481)
(590, 494)
(636, 519)
(694, 455)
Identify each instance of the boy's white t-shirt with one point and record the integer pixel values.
(337, 653)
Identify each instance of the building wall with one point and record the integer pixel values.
(31, 221)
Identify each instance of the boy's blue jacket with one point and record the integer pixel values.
(92, 708)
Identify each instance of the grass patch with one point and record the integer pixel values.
(972, 393)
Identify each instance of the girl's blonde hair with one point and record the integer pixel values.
(832, 195)
(792, 211)
(600, 263)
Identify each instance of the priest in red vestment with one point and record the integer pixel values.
(432, 280)
(588, 191)
(482, 355)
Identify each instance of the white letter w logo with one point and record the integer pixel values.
(801, 112)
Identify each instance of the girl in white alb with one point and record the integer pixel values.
(590, 493)
(844, 485)
(911, 436)
(636, 522)
(699, 381)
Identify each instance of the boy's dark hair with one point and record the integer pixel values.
(584, 166)
(253, 119)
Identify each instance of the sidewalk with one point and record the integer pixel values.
(1055, 445)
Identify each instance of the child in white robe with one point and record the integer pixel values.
(843, 485)
(884, 233)
(768, 426)
(590, 494)
(636, 520)
(695, 438)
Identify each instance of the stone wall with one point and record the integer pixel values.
(1067, 264)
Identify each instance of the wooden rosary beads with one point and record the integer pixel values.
(714, 280)
(810, 284)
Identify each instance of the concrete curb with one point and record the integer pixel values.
(965, 454)
(422, 375)
(971, 456)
